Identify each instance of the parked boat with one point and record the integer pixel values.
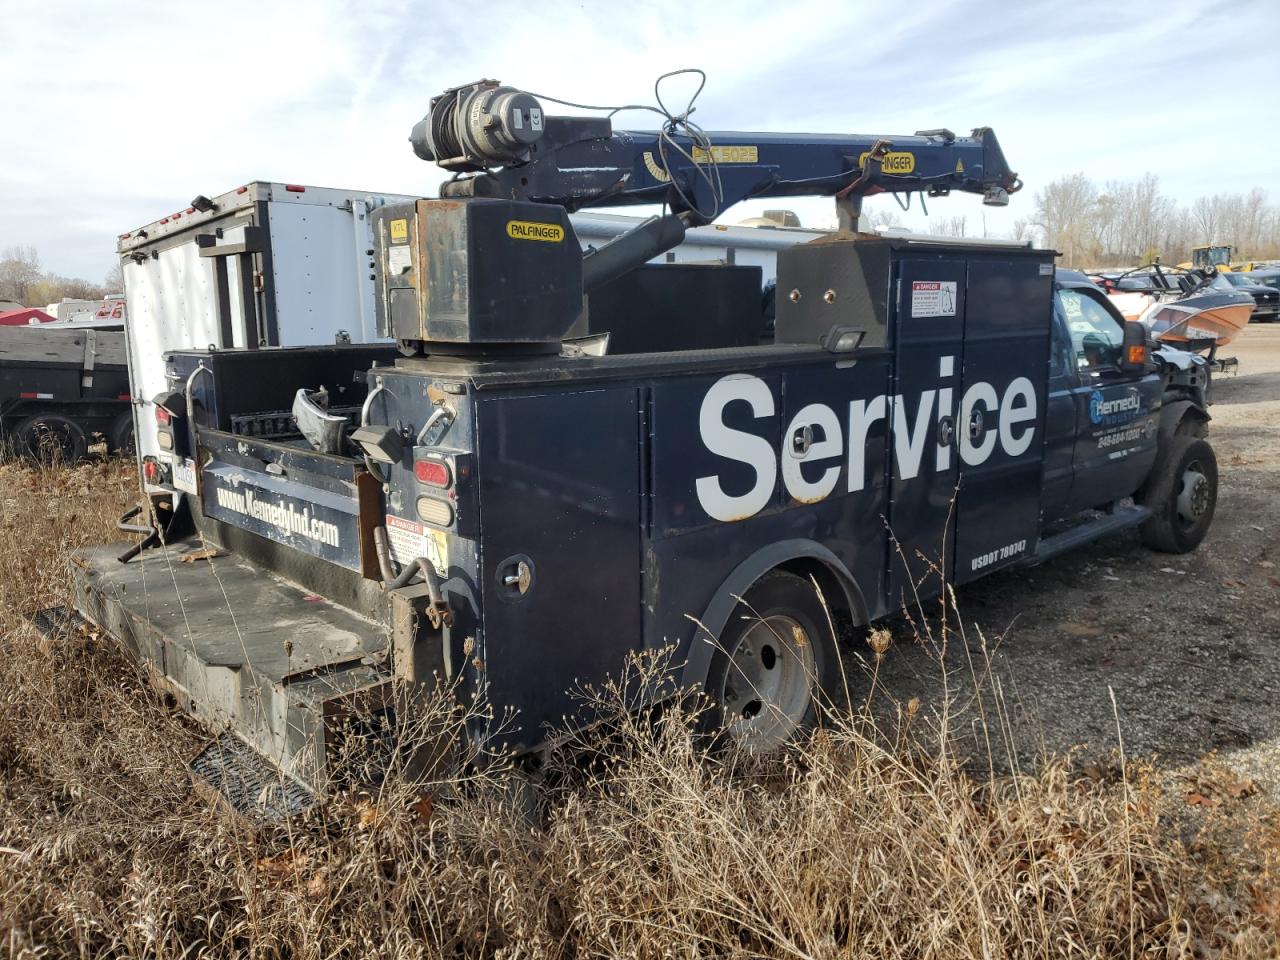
(1196, 309)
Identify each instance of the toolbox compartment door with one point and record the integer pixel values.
(1006, 345)
(558, 477)
(928, 340)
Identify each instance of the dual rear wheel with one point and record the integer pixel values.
(50, 438)
(776, 665)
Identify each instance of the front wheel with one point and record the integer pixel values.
(774, 667)
(1182, 494)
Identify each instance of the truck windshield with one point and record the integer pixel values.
(1096, 336)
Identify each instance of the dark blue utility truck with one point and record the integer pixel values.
(494, 504)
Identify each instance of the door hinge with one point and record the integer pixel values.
(259, 282)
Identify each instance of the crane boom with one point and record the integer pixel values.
(502, 138)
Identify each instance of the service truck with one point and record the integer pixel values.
(488, 507)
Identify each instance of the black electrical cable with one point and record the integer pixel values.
(676, 124)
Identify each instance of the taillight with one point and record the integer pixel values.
(163, 416)
(151, 470)
(434, 473)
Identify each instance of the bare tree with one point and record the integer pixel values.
(19, 273)
(114, 280)
(1064, 212)
(882, 219)
(949, 226)
(1206, 212)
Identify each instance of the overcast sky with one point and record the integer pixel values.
(112, 115)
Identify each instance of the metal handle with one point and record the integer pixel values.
(946, 431)
(440, 413)
(802, 440)
(368, 401)
(976, 426)
(200, 368)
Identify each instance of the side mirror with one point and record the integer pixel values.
(1134, 352)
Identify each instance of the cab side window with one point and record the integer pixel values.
(1096, 336)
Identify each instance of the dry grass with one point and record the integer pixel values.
(865, 840)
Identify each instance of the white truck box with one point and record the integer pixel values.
(266, 264)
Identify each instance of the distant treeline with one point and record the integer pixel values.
(1125, 222)
(22, 281)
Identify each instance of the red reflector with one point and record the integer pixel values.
(151, 470)
(191, 209)
(165, 220)
(124, 396)
(294, 188)
(163, 417)
(28, 396)
(242, 190)
(434, 473)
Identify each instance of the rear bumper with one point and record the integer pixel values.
(241, 650)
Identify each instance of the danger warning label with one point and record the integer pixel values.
(933, 298)
(409, 540)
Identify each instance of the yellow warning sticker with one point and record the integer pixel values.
(399, 231)
(894, 162)
(531, 230)
(959, 166)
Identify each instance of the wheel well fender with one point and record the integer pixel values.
(1182, 416)
(805, 558)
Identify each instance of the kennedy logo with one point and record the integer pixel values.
(1104, 411)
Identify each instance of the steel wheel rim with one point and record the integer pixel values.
(1194, 495)
(769, 684)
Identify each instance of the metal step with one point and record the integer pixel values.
(250, 784)
(1122, 518)
(55, 622)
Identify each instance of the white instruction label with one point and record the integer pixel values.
(933, 298)
(399, 259)
(409, 540)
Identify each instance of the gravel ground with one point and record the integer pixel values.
(1189, 644)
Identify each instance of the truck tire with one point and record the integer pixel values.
(49, 438)
(121, 438)
(774, 666)
(1181, 493)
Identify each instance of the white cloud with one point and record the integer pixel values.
(113, 114)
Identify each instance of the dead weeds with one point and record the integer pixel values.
(864, 840)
